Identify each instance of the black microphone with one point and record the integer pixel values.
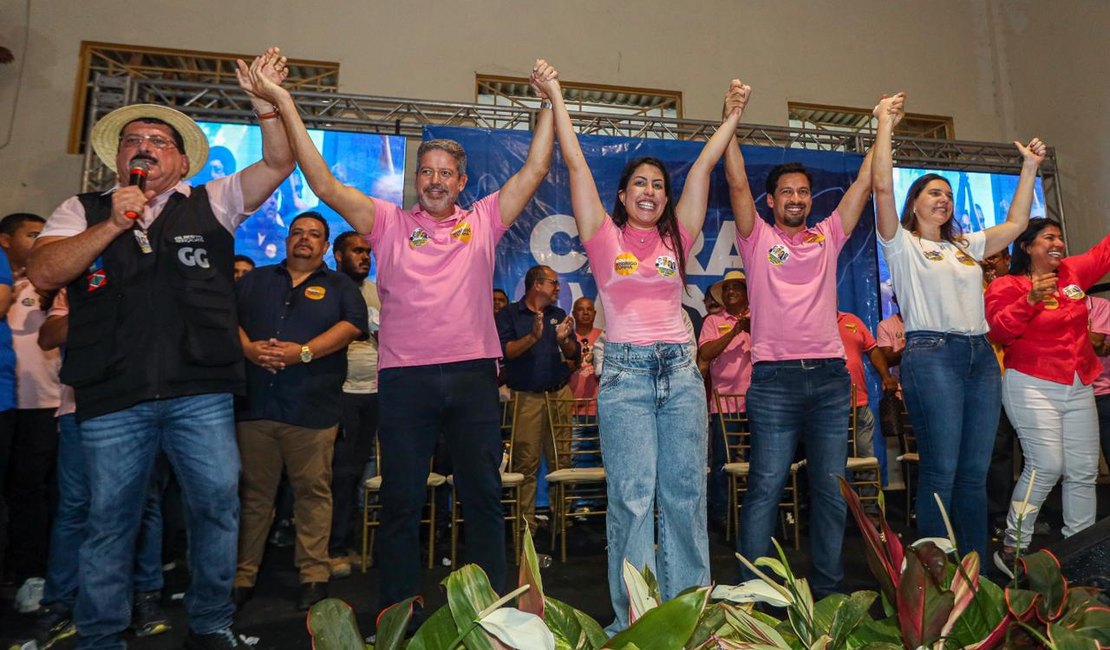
(139, 168)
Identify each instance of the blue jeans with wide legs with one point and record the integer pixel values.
(791, 401)
(953, 390)
(68, 532)
(197, 434)
(418, 403)
(652, 419)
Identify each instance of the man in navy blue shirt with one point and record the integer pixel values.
(295, 321)
(537, 339)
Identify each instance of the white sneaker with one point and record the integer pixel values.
(29, 595)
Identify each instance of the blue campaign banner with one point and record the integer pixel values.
(545, 232)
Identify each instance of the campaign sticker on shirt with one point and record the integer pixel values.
(778, 255)
(461, 232)
(29, 302)
(626, 264)
(814, 238)
(1074, 292)
(724, 328)
(666, 266)
(97, 279)
(315, 292)
(934, 255)
(851, 327)
(1050, 303)
(418, 238)
(965, 259)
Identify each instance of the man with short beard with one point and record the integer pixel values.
(295, 321)
(358, 422)
(437, 364)
(800, 386)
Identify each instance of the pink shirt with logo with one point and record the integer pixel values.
(640, 285)
(1100, 324)
(731, 370)
(434, 279)
(36, 370)
(792, 290)
(857, 340)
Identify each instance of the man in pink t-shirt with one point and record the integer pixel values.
(438, 345)
(800, 387)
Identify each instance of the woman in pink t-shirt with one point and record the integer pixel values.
(651, 403)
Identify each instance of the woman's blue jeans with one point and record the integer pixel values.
(652, 417)
(953, 390)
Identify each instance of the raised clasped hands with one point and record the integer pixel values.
(564, 329)
(736, 98)
(544, 80)
(263, 77)
(891, 108)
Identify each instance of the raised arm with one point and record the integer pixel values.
(350, 203)
(889, 112)
(518, 190)
(260, 179)
(695, 193)
(855, 199)
(739, 191)
(589, 213)
(1000, 236)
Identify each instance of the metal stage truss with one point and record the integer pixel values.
(397, 116)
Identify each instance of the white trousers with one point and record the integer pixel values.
(1057, 425)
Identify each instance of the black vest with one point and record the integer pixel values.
(145, 326)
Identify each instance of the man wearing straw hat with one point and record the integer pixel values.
(153, 350)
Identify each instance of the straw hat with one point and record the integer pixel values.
(105, 133)
(715, 288)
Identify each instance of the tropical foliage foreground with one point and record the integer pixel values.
(929, 598)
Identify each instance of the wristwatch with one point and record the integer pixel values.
(306, 354)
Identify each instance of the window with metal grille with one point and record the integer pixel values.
(842, 119)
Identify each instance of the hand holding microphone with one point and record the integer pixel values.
(140, 167)
(128, 202)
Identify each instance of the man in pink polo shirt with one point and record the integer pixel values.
(800, 386)
(438, 345)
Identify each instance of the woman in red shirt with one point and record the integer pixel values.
(1039, 314)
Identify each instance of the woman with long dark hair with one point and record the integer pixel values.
(1039, 312)
(651, 403)
(950, 376)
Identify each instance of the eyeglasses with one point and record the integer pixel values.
(548, 280)
(156, 141)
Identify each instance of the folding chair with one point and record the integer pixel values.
(578, 474)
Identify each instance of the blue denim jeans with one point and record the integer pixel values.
(197, 434)
(790, 401)
(652, 419)
(68, 532)
(418, 404)
(953, 390)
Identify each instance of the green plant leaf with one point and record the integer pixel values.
(965, 581)
(560, 618)
(750, 629)
(437, 632)
(849, 616)
(883, 631)
(710, 624)
(1094, 622)
(1064, 639)
(391, 624)
(468, 593)
(1042, 570)
(332, 625)
(652, 584)
(751, 591)
(666, 627)
(595, 635)
(985, 612)
(779, 567)
(531, 600)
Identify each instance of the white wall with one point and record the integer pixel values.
(966, 58)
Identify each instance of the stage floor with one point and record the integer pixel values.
(581, 581)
